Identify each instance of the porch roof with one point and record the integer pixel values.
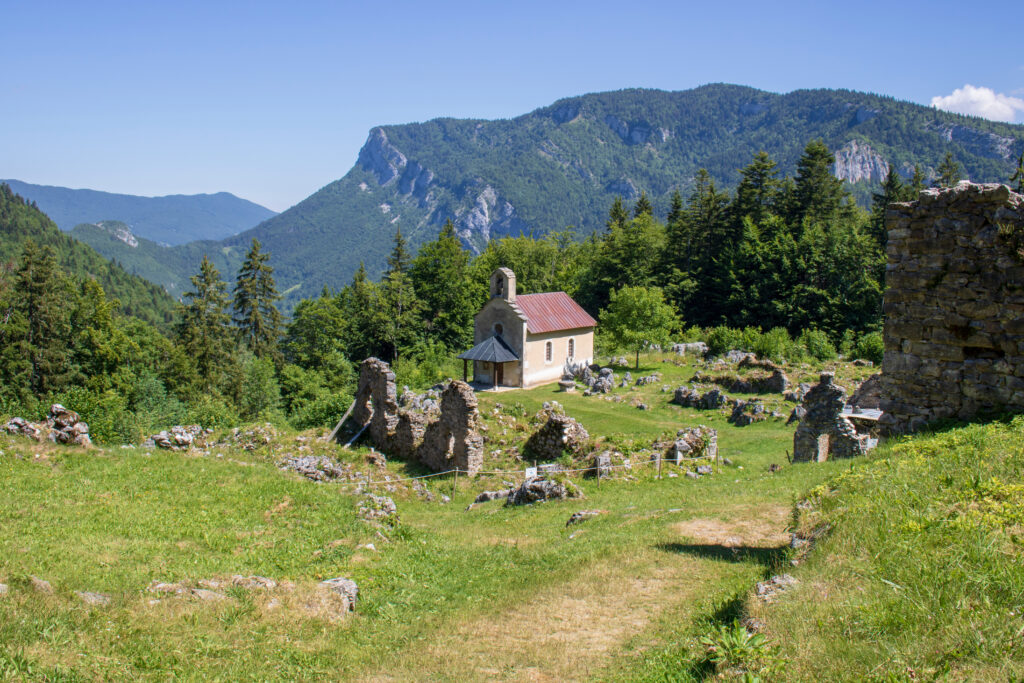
(490, 350)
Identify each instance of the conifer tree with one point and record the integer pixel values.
(41, 292)
(949, 171)
(1018, 176)
(917, 181)
(893, 190)
(359, 302)
(675, 211)
(617, 216)
(204, 328)
(643, 206)
(819, 194)
(758, 189)
(441, 276)
(399, 259)
(255, 305)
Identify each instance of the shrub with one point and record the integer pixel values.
(107, 414)
(260, 393)
(776, 344)
(871, 347)
(152, 405)
(323, 411)
(817, 344)
(211, 411)
(722, 339)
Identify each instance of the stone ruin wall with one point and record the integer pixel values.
(954, 306)
(442, 440)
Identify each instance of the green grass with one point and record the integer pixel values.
(450, 594)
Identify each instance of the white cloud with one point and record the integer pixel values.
(983, 102)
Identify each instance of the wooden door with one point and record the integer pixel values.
(499, 373)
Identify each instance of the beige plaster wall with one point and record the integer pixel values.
(538, 370)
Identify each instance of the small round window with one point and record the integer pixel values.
(498, 329)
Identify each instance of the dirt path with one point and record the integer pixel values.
(568, 631)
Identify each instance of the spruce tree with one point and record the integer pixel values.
(917, 181)
(256, 316)
(204, 330)
(1018, 176)
(41, 293)
(441, 276)
(675, 211)
(399, 259)
(758, 190)
(643, 206)
(617, 215)
(893, 190)
(949, 171)
(819, 194)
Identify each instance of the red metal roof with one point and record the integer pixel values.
(552, 311)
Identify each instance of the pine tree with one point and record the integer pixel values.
(643, 206)
(255, 305)
(1018, 176)
(399, 259)
(204, 330)
(949, 171)
(359, 303)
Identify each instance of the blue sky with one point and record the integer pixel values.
(271, 101)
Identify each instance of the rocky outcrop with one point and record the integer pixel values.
(381, 158)
(954, 306)
(490, 215)
(857, 161)
(823, 432)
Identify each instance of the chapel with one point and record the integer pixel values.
(526, 340)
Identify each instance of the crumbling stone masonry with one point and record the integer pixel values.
(442, 441)
(954, 306)
(823, 433)
(559, 435)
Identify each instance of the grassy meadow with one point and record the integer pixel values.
(496, 593)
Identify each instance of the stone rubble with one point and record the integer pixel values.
(61, 426)
(346, 588)
(582, 516)
(868, 394)
(538, 489)
(560, 434)
(689, 397)
(747, 412)
(179, 438)
(769, 590)
(316, 467)
(693, 442)
(375, 508)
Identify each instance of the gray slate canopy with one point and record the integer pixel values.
(490, 350)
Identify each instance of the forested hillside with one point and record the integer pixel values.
(563, 165)
(21, 221)
(174, 219)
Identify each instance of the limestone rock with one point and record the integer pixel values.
(582, 516)
(346, 588)
(40, 585)
(94, 599)
(378, 509)
(560, 434)
(537, 489)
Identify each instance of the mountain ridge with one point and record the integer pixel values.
(564, 163)
(170, 219)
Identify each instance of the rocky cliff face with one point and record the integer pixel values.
(478, 212)
(856, 161)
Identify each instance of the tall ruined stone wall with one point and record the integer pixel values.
(446, 440)
(954, 306)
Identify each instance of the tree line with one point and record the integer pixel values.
(791, 255)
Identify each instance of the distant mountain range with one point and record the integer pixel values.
(564, 164)
(171, 220)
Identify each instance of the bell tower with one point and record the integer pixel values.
(503, 284)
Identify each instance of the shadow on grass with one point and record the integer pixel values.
(770, 558)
